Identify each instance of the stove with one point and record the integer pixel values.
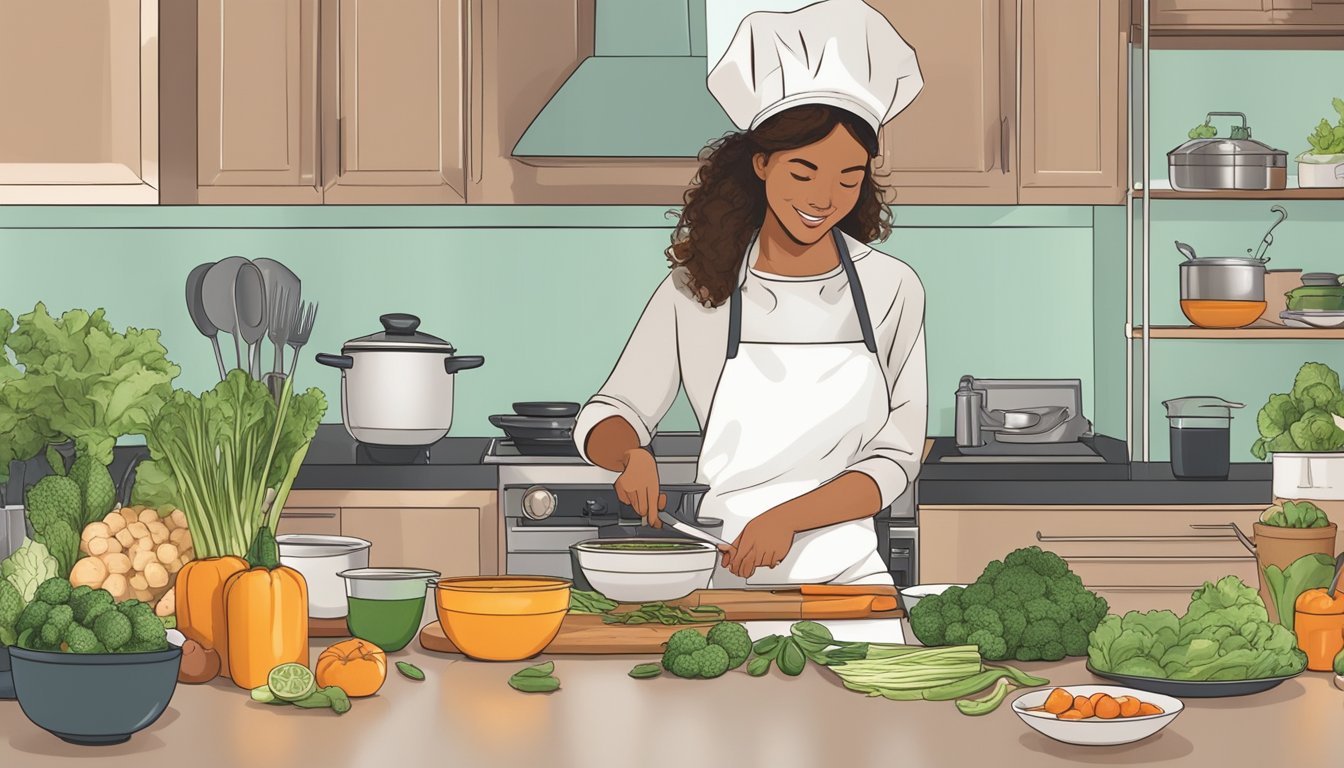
(551, 502)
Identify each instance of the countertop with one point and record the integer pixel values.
(465, 714)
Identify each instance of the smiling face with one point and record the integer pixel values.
(813, 188)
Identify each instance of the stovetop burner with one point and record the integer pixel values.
(391, 454)
(668, 447)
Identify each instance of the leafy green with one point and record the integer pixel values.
(1302, 420)
(228, 458)
(27, 567)
(81, 381)
(55, 512)
(1295, 514)
(1203, 131)
(1328, 139)
(1225, 634)
(1314, 571)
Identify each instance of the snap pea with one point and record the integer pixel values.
(1022, 679)
(340, 703)
(663, 613)
(581, 601)
(410, 670)
(538, 670)
(985, 704)
(534, 684)
(965, 686)
(791, 660)
(646, 671)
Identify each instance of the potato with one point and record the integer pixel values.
(199, 664)
(179, 519)
(116, 584)
(117, 564)
(156, 575)
(88, 571)
(124, 536)
(158, 533)
(141, 559)
(130, 514)
(167, 553)
(143, 545)
(97, 546)
(114, 521)
(143, 595)
(176, 536)
(148, 516)
(185, 559)
(96, 531)
(138, 582)
(167, 605)
(113, 545)
(138, 530)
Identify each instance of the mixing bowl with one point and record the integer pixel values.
(646, 570)
(501, 618)
(386, 604)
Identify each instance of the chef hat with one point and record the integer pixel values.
(842, 53)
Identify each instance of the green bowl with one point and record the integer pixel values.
(1316, 297)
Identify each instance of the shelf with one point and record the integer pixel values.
(1292, 193)
(1253, 332)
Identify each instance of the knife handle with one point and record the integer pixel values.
(848, 589)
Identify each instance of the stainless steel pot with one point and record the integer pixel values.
(1238, 162)
(397, 385)
(1223, 279)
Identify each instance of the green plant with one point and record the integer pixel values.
(1225, 634)
(1302, 420)
(228, 458)
(1295, 514)
(690, 655)
(1307, 572)
(1328, 139)
(27, 567)
(80, 381)
(1203, 131)
(1028, 607)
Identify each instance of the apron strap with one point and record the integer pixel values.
(855, 292)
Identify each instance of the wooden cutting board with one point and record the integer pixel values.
(588, 634)
(327, 628)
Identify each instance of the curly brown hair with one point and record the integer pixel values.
(726, 203)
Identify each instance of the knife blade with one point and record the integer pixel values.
(691, 530)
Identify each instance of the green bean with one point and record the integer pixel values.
(534, 684)
(410, 670)
(1022, 679)
(966, 686)
(645, 671)
(985, 704)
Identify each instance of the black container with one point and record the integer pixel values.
(1201, 437)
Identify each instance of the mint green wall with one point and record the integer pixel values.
(548, 295)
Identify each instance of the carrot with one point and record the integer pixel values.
(1082, 704)
(1094, 698)
(1107, 708)
(1129, 706)
(1058, 702)
(1072, 714)
(1149, 709)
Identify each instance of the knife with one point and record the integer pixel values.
(691, 530)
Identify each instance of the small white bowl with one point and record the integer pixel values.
(1094, 732)
(912, 595)
(643, 576)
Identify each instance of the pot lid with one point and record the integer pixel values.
(1200, 407)
(399, 333)
(1228, 152)
(1223, 261)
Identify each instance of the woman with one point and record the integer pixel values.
(800, 348)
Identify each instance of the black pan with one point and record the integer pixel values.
(550, 410)
(533, 427)
(1195, 689)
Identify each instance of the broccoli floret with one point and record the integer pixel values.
(980, 618)
(1014, 624)
(1052, 650)
(1038, 633)
(926, 621)
(710, 661)
(147, 630)
(729, 635)
(33, 616)
(112, 629)
(979, 593)
(1027, 653)
(1049, 565)
(91, 605)
(1020, 580)
(1037, 610)
(11, 603)
(952, 614)
(992, 646)
(683, 642)
(53, 629)
(1074, 638)
(956, 633)
(53, 591)
(80, 639)
(951, 597)
(991, 572)
(80, 591)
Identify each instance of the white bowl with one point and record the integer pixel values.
(642, 576)
(912, 595)
(320, 559)
(1094, 732)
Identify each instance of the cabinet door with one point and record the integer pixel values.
(1072, 143)
(444, 539)
(953, 144)
(397, 130)
(1206, 13)
(257, 101)
(79, 89)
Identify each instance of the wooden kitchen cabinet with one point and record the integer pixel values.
(458, 533)
(1137, 557)
(257, 101)
(1246, 18)
(79, 95)
(1072, 102)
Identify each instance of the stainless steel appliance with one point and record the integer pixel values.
(551, 502)
(1041, 420)
(1237, 162)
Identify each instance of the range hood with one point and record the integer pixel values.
(642, 93)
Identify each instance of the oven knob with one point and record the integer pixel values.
(593, 507)
(538, 503)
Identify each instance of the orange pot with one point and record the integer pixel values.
(1319, 624)
(501, 618)
(1222, 314)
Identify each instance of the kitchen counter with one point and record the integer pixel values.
(465, 714)
(336, 462)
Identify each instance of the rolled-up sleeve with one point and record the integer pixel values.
(647, 377)
(892, 457)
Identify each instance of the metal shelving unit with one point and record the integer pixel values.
(1142, 194)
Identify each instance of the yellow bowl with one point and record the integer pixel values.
(501, 618)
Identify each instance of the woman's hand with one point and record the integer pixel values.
(637, 486)
(763, 543)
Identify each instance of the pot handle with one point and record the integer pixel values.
(344, 362)
(463, 363)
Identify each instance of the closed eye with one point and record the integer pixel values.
(800, 178)
(849, 186)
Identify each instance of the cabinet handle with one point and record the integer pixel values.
(1003, 143)
(1152, 537)
(1146, 588)
(1158, 558)
(295, 514)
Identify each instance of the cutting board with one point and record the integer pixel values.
(327, 627)
(588, 634)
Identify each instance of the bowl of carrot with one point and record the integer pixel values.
(1096, 715)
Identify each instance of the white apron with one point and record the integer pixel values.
(785, 420)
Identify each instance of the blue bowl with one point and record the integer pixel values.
(6, 679)
(94, 699)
